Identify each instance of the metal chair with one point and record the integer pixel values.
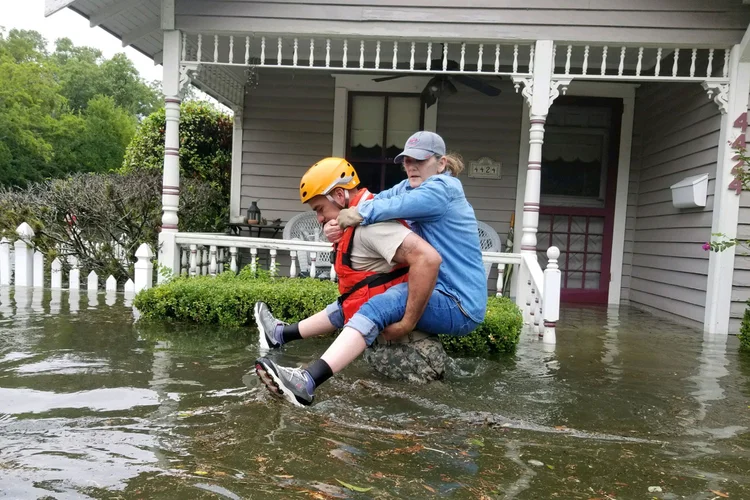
(305, 227)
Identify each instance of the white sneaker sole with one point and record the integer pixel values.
(273, 383)
(264, 348)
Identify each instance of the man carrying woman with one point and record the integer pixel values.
(432, 200)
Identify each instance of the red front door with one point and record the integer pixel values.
(579, 174)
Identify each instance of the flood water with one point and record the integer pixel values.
(96, 405)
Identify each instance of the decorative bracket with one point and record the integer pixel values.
(719, 92)
(188, 71)
(528, 87)
(556, 86)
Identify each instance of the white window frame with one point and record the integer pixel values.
(365, 83)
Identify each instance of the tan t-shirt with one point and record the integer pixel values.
(375, 245)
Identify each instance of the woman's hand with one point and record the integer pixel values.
(332, 231)
(398, 330)
(349, 217)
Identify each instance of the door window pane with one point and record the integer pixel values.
(379, 125)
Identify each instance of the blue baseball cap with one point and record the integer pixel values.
(421, 146)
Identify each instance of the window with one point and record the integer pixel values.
(379, 125)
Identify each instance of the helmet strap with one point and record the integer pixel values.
(346, 202)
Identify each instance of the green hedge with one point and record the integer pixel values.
(228, 300)
(744, 335)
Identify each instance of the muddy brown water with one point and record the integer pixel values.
(96, 405)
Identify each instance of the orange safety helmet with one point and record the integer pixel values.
(325, 176)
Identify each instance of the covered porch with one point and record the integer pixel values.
(628, 123)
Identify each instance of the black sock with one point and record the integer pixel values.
(290, 332)
(319, 371)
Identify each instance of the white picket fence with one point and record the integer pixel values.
(209, 254)
(20, 265)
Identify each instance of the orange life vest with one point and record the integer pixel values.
(356, 287)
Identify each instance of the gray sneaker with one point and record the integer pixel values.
(267, 337)
(289, 383)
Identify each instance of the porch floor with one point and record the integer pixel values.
(94, 404)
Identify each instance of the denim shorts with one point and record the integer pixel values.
(443, 315)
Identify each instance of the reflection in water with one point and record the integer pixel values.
(36, 300)
(712, 368)
(110, 297)
(74, 300)
(95, 406)
(93, 297)
(6, 309)
(55, 301)
(611, 350)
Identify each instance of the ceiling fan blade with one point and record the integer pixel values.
(477, 85)
(386, 78)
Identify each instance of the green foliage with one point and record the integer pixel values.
(84, 214)
(205, 144)
(205, 155)
(228, 300)
(66, 112)
(744, 335)
(499, 332)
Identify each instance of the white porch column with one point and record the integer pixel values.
(733, 102)
(235, 190)
(168, 250)
(537, 94)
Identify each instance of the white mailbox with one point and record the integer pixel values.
(690, 192)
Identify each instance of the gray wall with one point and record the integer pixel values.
(288, 126)
(741, 276)
(720, 22)
(676, 135)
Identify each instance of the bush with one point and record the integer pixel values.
(744, 335)
(228, 300)
(83, 214)
(499, 332)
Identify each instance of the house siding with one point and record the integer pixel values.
(718, 22)
(741, 276)
(676, 136)
(288, 126)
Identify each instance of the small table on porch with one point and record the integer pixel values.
(236, 228)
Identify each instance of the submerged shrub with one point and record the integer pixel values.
(499, 332)
(744, 335)
(228, 300)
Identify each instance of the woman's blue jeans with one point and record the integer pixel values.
(443, 316)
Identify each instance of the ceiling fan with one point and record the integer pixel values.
(440, 86)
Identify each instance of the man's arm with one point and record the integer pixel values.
(424, 264)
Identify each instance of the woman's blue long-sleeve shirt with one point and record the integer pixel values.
(439, 212)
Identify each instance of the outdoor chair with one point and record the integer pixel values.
(489, 241)
(305, 227)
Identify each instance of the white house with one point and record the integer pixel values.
(577, 117)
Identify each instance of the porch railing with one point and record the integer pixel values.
(538, 291)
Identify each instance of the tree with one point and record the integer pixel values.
(205, 155)
(84, 74)
(65, 112)
(205, 143)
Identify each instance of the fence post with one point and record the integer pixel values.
(144, 268)
(24, 256)
(111, 284)
(4, 262)
(129, 287)
(38, 269)
(552, 279)
(74, 277)
(56, 274)
(92, 282)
